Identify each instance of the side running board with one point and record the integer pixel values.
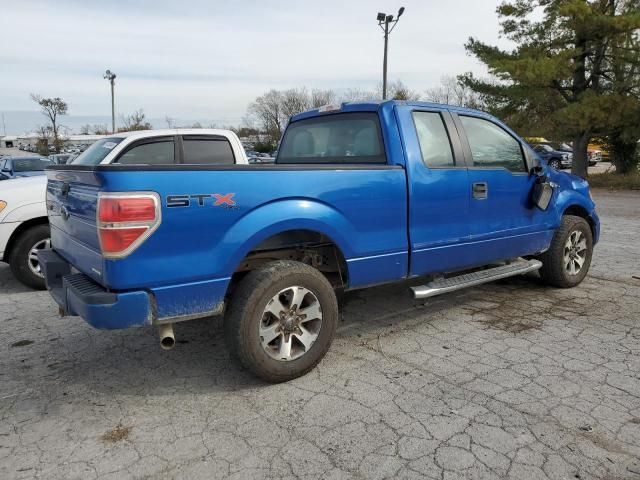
(445, 285)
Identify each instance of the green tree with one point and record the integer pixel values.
(52, 108)
(623, 78)
(555, 77)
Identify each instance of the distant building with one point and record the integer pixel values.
(31, 139)
(8, 141)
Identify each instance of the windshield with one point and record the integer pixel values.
(96, 152)
(30, 164)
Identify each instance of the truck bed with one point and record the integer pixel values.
(197, 248)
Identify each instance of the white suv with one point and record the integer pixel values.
(24, 228)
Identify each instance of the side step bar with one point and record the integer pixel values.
(445, 285)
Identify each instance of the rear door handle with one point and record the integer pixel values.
(480, 190)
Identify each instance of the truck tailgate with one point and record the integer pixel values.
(71, 206)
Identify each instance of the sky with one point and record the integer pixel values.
(206, 60)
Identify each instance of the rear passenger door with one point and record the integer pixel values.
(438, 190)
(503, 221)
(207, 150)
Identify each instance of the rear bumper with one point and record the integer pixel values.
(77, 294)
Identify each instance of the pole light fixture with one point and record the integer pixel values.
(387, 24)
(109, 75)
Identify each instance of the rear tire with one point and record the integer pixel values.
(567, 261)
(281, 320)
(22, 259)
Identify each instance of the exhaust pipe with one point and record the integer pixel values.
(167, 339)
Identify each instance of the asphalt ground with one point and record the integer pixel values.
(508, 380)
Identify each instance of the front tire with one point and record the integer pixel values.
(281, 320)
(23, 258)
(567, 261)
(555, 163)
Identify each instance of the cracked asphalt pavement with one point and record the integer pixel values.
(509, 380)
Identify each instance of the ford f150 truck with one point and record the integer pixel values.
(361, 194)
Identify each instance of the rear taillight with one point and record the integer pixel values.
(125, 220)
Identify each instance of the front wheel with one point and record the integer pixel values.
(281, 320)
(555, 163)
(567, 261)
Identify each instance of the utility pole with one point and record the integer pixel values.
(384, 21)
(4, 126)
(109, 75)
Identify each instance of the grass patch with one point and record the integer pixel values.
(613, 181)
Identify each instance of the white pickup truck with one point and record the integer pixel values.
(24, 228)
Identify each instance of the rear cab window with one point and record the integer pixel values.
(344, 138)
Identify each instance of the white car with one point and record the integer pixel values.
(24, 228)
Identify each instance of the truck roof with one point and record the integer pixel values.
(375, 105)
(170, 131)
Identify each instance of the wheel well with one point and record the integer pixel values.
(579, 211)
(23, 227)
(306, 246)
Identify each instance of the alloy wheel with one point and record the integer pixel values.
(575, 252)
(290, 323)
(32, 260)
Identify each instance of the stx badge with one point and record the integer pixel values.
(224, 200)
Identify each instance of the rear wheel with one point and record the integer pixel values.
(555, 163)
(23, 258)
(567, 261)
(281, 320)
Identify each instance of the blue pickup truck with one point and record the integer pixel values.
(360, 194)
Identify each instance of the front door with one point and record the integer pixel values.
(503, 221)
(438, 190)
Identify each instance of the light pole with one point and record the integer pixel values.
(109, 75)
(384, 21)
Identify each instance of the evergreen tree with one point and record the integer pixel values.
(557, 79)
(623, 77)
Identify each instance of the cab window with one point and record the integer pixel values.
(155, 153)
(491, 146)
(434, 140)
(209, 151)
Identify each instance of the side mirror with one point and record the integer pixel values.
(543, 192)
(536, 170)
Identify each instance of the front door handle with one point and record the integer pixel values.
(480, 190)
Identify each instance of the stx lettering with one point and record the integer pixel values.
(201, 199)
